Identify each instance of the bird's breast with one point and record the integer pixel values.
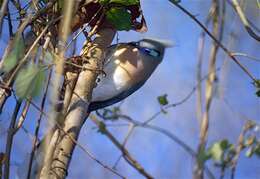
(125, 69)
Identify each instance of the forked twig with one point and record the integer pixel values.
(215, 39)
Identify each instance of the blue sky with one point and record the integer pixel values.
(176, 76)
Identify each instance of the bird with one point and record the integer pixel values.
(127, 66)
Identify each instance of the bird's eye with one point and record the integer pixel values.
(98, 80)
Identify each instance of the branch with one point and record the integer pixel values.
(3, 94)
(244, 20)
(22, 117)
(36, 132)
(77, 112)
(2, 13)
(65, 30)
(9, 141)
(127, 156)
(240, 146)
(217, 32)
(186, 98)
(201, 45)
(129, 132)
(174, 138)
(246, 55)
(214, 39)
(88, 153)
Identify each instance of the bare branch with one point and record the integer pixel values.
(3, 94)
(127, 156)
(9, 141)
(22, 117)
(88, 153)
(246, 55)
(215, 39)
(77, 112)
(129, 132)
(244, 20)
(65, 30)
(2, 13)
(37, 129)
(174, 138)
(240, 146)
(217, 32)
(199, 64)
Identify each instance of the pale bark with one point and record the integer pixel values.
(78, 108)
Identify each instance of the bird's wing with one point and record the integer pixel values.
(95, 105)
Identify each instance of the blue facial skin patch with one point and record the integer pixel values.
(146, 50)
(151, 52)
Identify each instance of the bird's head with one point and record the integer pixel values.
(153, 48)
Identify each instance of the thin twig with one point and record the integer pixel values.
(199, 64)
(3, 13)
(88, 153)
(174, 138)
(129, 132)
(22, 117)
(186, 98)
(22, 62)
(9, 141)
(83, 28)
(240, 146)
(244, 20)
(25, 58)
(246, 55)
(11, 34)
(29, 19)
(215, 39)
(65, 30)
(127, 156)
(199, 166)
(36, 132)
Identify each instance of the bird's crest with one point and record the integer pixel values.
(163, 42)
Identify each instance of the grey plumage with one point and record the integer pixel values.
(127, 67)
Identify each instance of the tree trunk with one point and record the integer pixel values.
(77, 112)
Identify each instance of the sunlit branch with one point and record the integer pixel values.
(244, 20)
(214, 38)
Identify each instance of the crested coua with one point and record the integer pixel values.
(127, 67)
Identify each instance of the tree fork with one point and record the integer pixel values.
(78, 107)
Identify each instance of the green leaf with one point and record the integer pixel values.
(102, 127)
(257, 83)
(10, 62)
(250, 152)
(29, 81)
(126, 2)
(217, 150)
(12, 58)
(122, 2)
(120, 18)
(163, 100)
(104, 1)
(257, 149)
(38, 83)
(61, 4)
(49, 58)
(203, 156)
(258, 93)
